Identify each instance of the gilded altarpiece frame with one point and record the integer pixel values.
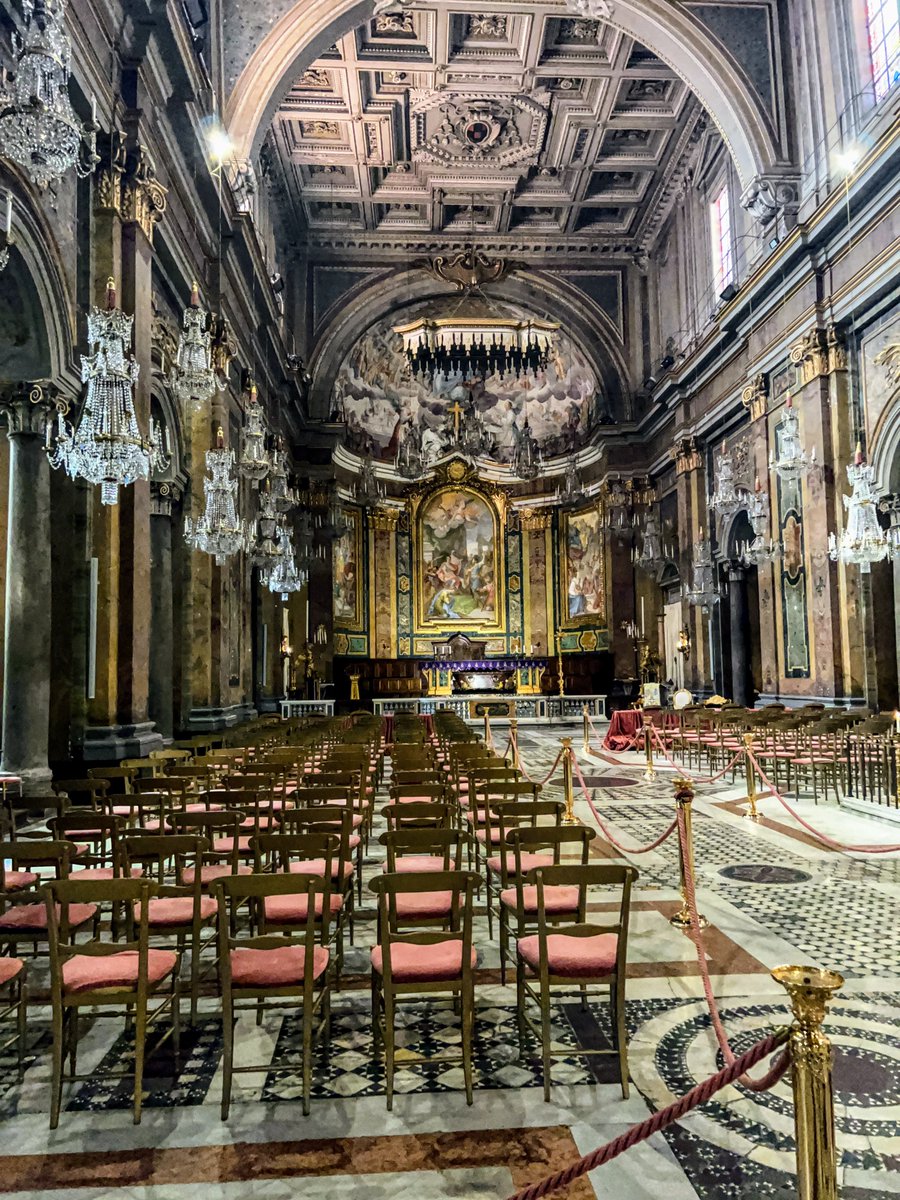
(458, 531)
(581, 572)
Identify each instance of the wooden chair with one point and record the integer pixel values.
(429, 962)
(579, 954)
(419, 815)
(23, 917)
(14, 977)
(259, 971)
(100, 974)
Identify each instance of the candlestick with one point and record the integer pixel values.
(643, 625)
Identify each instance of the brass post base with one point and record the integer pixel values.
(569, 819)
(682, 919)
(650, 775)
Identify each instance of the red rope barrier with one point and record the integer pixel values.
(823, 838)
(753, 1085)
(659, 1120)
(517, 762)
(684, 773)
(603, 828)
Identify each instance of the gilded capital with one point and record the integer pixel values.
(384, 520)
(755, 397)
(819, 353)
(534, 518)
(686, 455)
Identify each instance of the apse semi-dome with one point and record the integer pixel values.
(377, 396)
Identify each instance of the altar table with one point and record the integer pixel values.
(626, 722)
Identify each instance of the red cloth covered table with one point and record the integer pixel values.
(627, 722)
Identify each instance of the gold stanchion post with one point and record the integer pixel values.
(810, 989)
(752, 813)
(650, 770)
(488, 737)
(586, 728)
(569, 817)
(684, 798)
(514, 740)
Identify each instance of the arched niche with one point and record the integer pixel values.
(541, 293)
(673, 34)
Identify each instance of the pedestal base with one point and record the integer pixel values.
(35, 780)
(203, 720)
(111, 743)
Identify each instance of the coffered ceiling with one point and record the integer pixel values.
(536, 129)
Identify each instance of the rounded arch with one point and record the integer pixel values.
(545, 295)
(674, 35)
(884, 448)
(35, 259)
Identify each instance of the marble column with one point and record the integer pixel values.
(162, 642)
(26, 672)
(739, 629)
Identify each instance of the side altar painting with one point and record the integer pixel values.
(347, 576)
(582, 568)
(458, 567)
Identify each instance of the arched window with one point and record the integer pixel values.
(722, 241)
(883, 32)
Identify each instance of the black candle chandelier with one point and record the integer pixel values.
(476, 347)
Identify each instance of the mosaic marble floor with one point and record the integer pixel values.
(772, 896)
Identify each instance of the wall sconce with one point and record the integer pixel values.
(320, 637)
(683, 645)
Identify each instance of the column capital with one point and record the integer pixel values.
(755, 397)
(686, 455)
(29, 408)
(144, 198)
(819, 352)
(773, 197)
(164, 495)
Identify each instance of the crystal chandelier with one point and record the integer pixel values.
(106, 445)
(527, 461)
(474, 438)
(254, 460)
(278, 479)
(652, 558)
(285, 577)
(727, 499)
(618, 517)
(476, 346)
(862, 540)
(193, 377)
(38, 127)
(572, 493)
(704, 593)
(218, 531)
(265, 549)
(763, 549)
(791, 461)
(369, 492)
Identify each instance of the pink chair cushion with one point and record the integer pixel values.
(529, 862)
(156, 826)
(176, 910)
(412, 864)
(572, 957)
(265, 822)
(34, 916)
(316, 866)
(9, 969)
(88, 972)
(424, 905)
(281, 967)
(557, 900)
(423, 964)
(123, 810)
(224, 845)
(291, 909)
(16, 880)
(214, 871)
(87, 873)
(404, 799)
(199, 808)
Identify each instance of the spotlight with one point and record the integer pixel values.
(728, 293)
(219, 143)
(668, 362)
(847, 160)
(773, 243)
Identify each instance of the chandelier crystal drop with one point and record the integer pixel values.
(193, 377)
(704, 592)
(862, 540)
(218, 531)
(727, 499)
(38, 126)
(254, 461)
(106, 446)
(473, 346)
(791, 461)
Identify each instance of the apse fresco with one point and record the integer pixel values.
(377, 397)
(458, 569)
(583, 578)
